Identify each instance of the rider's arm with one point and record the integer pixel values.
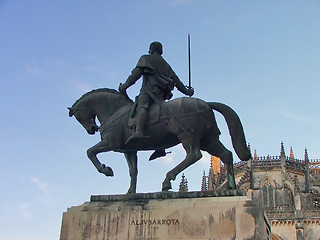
(179, 85)
(135, 75)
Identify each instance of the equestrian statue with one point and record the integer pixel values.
(154, 122)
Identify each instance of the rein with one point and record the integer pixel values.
(116, 116)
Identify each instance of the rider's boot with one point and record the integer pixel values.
(142, 118)
(157, 154)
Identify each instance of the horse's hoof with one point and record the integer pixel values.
(107, 171)
(166, 187)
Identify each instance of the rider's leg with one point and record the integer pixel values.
(142, 117)
(144, 102)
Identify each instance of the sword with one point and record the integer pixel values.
(189, 60)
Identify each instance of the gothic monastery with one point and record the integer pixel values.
(288, 188)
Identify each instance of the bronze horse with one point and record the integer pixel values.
(186, 120)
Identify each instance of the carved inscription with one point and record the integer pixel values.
(156, 222)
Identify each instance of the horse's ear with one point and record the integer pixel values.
(70, 111)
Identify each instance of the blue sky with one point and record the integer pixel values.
(259, 57)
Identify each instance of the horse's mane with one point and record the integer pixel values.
(107, 90)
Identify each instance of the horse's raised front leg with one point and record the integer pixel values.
(92, 155)
(192, 148)
(132, 160)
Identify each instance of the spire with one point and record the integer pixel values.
(306, 158)
(291, 155)
(183, 187)
(211, 180)
(282, 152)
(307, 169)
(204, 186)
(215, 165)
(250, 164)
(283, 160)
(255, 155)
(186, 185)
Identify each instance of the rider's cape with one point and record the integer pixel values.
(155, 65)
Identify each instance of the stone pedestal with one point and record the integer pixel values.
(161, 216)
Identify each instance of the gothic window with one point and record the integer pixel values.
(268, 195)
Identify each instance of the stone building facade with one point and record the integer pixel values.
(288, 188)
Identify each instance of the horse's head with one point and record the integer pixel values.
(100, 103)
(85, 117)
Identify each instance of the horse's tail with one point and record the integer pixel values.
(235, 129)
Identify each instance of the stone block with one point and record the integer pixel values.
(159, 217)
